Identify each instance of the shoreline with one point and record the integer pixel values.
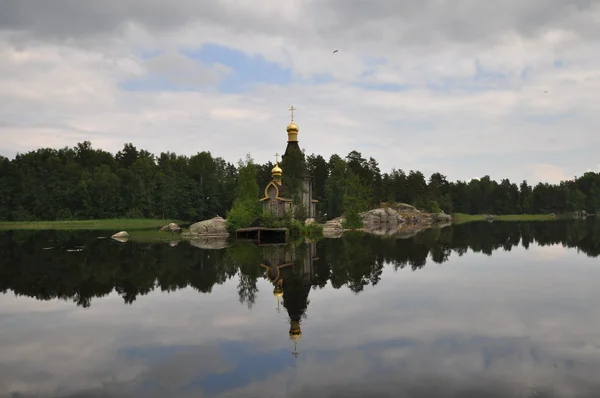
(138, 224)
(101, 224)
(458, 218)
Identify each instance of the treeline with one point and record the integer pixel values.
(355, 261)
(87, 183)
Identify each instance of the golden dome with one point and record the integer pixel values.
(278, 292)
(295, 331)
(292, 132)
(276, 171)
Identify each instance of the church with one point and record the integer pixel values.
(275, 200)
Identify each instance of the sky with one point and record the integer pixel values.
(466, 88)
(499, 326)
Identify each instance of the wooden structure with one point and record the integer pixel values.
(275, 200)
(262, 234)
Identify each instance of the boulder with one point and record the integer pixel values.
(441, 217)
(171, 227)
(121, 239)
(333, 228)
(122, 236)
(405, 208)
(210, 243)
(407, 232)
(216, 227)
(393, 220)
(381, 219)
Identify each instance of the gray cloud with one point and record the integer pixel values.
(182, 70)
(72, 19)
(62, 64)
(407, 22)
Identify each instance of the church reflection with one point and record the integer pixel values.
(290, 269)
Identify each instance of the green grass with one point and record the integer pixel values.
(462, 218)
(118, 224)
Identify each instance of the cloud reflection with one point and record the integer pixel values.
(519, 323)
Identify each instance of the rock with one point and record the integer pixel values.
(333, 228)
(405, 208)
(381, 219)
(395, 220)
(172, 227)
(210, 243)
(121, 239)
(309, 221)
(122, 236)
(441, 217)
(490, 217)
(215, 227)
(408, 232)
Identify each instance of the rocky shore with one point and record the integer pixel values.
(397, 220)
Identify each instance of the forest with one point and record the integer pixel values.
(87, 183)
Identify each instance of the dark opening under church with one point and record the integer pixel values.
(276, 200)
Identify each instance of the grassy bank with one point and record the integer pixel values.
(110, 224)
(461, 217)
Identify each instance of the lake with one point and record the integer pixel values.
(474, 310)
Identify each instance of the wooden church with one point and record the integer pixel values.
(275, 200)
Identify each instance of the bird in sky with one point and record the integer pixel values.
(334, 51)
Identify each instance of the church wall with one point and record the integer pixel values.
(307, 197)
(281, 209)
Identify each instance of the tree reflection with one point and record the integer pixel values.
(30, 268)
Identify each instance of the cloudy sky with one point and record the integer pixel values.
(436, 85)
(514, 324)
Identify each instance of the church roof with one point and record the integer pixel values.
(280, 191)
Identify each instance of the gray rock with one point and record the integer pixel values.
(333, 228)
(215, 227)
(382, 219)
(441, 217)
(210, 243)
(121, 238)
(396, 220)
(171, 227)
(405, 208)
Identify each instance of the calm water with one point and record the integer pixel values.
(478, 310)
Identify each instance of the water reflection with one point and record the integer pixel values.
(375, 320)
(100, 266)
(290, 268)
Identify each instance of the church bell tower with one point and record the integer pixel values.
(292, 131)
